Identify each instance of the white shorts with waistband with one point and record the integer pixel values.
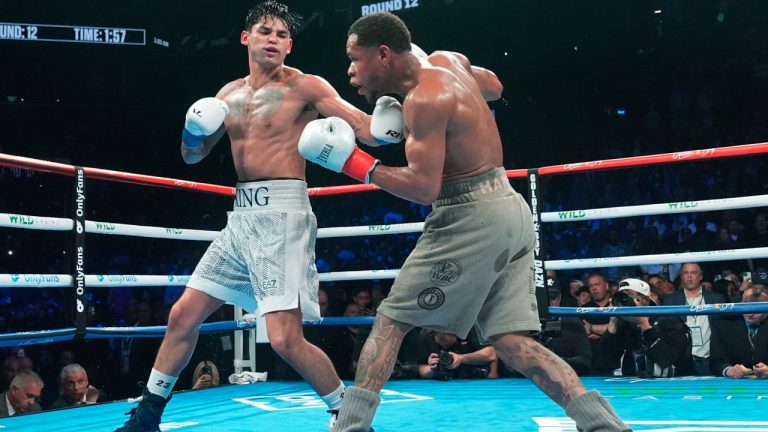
(265, 255)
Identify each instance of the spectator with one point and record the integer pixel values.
(613, 247)
(757, 237)
(740, 343)
(661, 286)
(565, 336)
(75, 389)
(575, 288)
(22, 394)
(348, 338)
(206, 375)
(596, 326)
(323, 302)
(11, 365)
(647, 346)
(444, 356)
(363, 298)
(693, 294)
(584, 296)
(727, 288)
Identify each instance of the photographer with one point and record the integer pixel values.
(646, 346)
(445, 356)
(206, 375)
(565, 336)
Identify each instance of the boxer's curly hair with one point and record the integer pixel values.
(275, 9)
(381, 28)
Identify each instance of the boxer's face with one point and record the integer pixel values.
(364, 69)
(268, 40)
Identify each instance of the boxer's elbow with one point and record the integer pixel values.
(426, 196)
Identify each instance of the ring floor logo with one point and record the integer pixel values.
(565, 424)
(310, 400)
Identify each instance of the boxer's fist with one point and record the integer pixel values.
(387, 121)
(330, 142)
(203, 118)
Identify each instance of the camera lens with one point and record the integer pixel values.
(444, 359)
(622, 299)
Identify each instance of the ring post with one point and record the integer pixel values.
(78, 261)
(539, 273)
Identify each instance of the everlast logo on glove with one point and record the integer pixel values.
(324, 153)
(250, 197)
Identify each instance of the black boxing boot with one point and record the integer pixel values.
(146, 416)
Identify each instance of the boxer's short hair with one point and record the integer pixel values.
(381, 28)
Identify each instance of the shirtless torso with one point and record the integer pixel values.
(472, 141)
(269, 108)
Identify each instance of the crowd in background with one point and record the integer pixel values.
(708, 100)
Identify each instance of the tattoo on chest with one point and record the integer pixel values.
(262, 104)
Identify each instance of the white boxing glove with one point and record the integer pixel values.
(387, 121)
(330, 142)
(204, 118)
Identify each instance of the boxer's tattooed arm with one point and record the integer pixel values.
(379, 353)
(549, 372)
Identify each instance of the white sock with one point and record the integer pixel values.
(160, 383)
(334, 398)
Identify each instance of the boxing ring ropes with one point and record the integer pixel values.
(79, 226)
(274, 405)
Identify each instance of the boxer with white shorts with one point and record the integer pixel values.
(265, 254)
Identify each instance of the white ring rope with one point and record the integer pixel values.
(402, 228)
(656, 209)
(101, 281)
(683, 257)
(11, 220)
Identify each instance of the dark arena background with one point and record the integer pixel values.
(106, 84)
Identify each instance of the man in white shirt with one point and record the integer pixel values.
(693, 294)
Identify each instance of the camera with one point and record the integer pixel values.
(623, 299)
(444, 359)
(205, 370)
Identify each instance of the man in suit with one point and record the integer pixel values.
(740, 343)
(693, 294)
(75, 389)
(22, 394)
